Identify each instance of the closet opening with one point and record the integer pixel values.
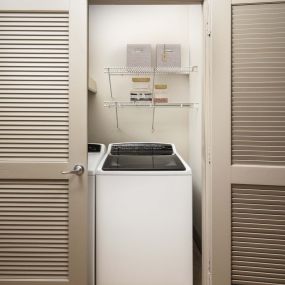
(113, 114)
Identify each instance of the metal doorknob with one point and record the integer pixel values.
(77, 170)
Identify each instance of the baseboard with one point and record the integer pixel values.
(197, 239)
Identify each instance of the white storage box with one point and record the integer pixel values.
(139, 55)
(168, 55)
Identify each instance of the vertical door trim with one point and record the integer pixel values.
(220, 93)
(78, 13)
(206, 191)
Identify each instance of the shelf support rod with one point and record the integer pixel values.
(153, 116)
(110, 83)
(153, 100)
(117, 117)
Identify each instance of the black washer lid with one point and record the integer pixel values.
(143, 163)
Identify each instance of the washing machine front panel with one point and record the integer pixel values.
(143, 230)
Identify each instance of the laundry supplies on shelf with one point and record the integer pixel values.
(160, 93)
(141, 90)
(150, 80)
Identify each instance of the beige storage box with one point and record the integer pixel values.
(168, 55)
(139, 55)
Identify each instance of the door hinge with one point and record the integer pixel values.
(208, 29)
(209, 281)
(208, 23)
(209, 157)
(209, 278)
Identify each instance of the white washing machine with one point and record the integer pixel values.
(143, 216)
(95, 154)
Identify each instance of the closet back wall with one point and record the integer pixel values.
(111, 28)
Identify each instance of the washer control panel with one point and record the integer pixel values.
(94, 147)
(142, 149)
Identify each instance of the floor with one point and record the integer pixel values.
(197, 268)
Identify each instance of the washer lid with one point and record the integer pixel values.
(143, 163)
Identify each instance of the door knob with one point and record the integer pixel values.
(77, 170)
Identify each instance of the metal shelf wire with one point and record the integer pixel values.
(141, 104)
(153, 72)
(151, 105)
(150, 70)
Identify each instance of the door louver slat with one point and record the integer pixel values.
(258, 84)
(258, 234)
(34, 229)
(34, 86)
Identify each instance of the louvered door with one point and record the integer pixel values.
(34, 86)
(258, 84)
(248, 166)
(43, 131)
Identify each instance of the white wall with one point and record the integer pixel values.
(111, 29)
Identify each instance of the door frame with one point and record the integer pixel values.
(215, 204)
(78, 85)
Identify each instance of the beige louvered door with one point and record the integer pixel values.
(43, 132)
(248, 143)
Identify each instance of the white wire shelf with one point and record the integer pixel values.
(140, 104)
(151, 105)
(150, 70)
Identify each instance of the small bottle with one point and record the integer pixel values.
(160, 93)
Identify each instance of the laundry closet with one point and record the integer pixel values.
(114, 116)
